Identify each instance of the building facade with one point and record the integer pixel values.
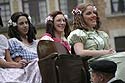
(37, 9)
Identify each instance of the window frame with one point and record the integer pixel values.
(108, 10)
(7, 12)
(36, 19)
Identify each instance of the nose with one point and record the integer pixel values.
(62, 22)
(94, 15)
(25, 24)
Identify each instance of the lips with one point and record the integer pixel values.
(61, 26)
(93, 19)
(25, 30)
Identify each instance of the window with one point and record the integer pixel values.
(42, 10)
(5, 11)
(26, 7)
(37, 9)
(119, 43)
(115, 7)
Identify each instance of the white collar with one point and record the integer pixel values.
(113, 79)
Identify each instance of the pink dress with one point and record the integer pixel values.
(48, 36)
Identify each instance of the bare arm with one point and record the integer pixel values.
(6, 64)
(7, 55)
(78, 48)
(9, 63)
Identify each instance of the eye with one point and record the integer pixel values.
(60, 20)
(63, 20)
(21, 23)
(26, 22)
(88, 13)
(94, 12)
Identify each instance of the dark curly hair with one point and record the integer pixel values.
(50, 25)
(13, 31)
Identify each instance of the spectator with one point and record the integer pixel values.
(103, 71)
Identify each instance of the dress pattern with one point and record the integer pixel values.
(63, 41)
(29, 74)
(92, 40)
(98, 40)
(27, 52)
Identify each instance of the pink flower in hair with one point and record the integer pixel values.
(48, 18)
(94, 8)
(76, 11)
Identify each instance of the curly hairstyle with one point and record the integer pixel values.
(13, 31)
(50, 25)
(78, 20)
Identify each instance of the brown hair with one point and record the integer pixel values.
(78, 20)
(13, 31)
(50, 24)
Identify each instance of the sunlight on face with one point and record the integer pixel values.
(90, 17)
(59, 23)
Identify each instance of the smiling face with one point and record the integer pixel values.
(59, 23)
(22, 24)
(90, 17)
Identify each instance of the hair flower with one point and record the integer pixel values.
(94, 8)
(29, 17)
(11, 23)
(66, 16)
(49, 18)
(76, 11)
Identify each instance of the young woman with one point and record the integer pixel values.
(22, 37)
(22, 46)
(57, 28)
(87, 40)
(69, 66)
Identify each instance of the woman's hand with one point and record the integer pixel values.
(17, 58)
(110, 51)
(22, 63)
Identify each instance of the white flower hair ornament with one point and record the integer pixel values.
(66, 16)
(76, 11)
(11, 23)
(29, 17)
(48, 18)
(94, 8)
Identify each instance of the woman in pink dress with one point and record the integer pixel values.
(57, 28)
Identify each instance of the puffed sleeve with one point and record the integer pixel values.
(77, 36)
(3, 46)
(15, 47)
(3, 42)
